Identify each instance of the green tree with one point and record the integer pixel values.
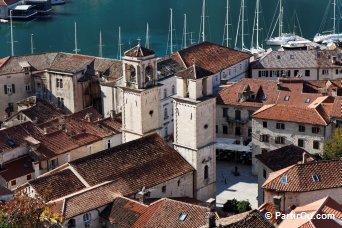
(25, 211)
(243, 206)
(333, 147)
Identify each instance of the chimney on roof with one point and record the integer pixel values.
(45, 130)
(277, 203)
(278, 84)
(211, 203)
(211, 220)
(143, 194)
(305, 157)
(87, 117)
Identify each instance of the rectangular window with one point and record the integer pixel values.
(108, 144)
(280, 126)
(316, 145)
(301, 128)
(163, 189)
(60, 102)
(296, 72)
(10, 107)
(13, 182)
(301, 143)
(237, 131)
(29, 177)
(264, 174)
(280, 140)
(225, 112)
(9, 89)
(264, 124)
(307, 73)
(264, 138)
(325, 72)
(315, 130)
(225, 130)
(59, 83)
(27, 88)
(216, 128)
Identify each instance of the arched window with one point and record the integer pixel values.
(173, 89)
(206, 172)
(87, 218)
(71, 223)
(165, 93)
(132, 74)
(148, 75)
(165, 114)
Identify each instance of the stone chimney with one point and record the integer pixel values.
(277, 203)
(36, 168)
(143, 194)
(211, 203)
(45, 130)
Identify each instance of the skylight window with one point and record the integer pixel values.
(182, 217)
(283, 179)
(315, 178)
(307, 100)
(286, 98)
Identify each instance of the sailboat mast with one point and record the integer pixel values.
(280, 18)
(76, 47)
(12, 42)
(32, 48)
(257, 23)
(334, 26)
(147, 43)
(203, 21)
(119, 44)
(184, 33)
(100, 45)
(227, 24)
(242, 25)
(171, 28)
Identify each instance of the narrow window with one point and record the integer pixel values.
(316, 145)
(237, 115)
(264, 174)
(163, 189)
(301, 143)
(225, 112)
(264, 124)
(225, 130)
(301, 128)
(206, 172)
(108, 144)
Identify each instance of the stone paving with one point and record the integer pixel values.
(228, 186)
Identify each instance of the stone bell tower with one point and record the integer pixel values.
(195, 127)
(141, 94)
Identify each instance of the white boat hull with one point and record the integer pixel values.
(324, 38)
(278, 41)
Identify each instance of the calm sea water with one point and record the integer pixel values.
(56, 32)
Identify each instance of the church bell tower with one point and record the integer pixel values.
(195, 127)
(141, 94)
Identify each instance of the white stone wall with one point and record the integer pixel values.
(20, 80)
(166, 120)
(95, 219)
(303, 198)
(291, 134)
(111, 100)
(236, 72)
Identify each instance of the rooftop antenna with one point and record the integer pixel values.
(170, 36)
(76, 50)
(185, 33)
(100, 45)
(12, 42)
(119, 45)
(202, 28)
(226, 29)
(32, 46)
(147, 43)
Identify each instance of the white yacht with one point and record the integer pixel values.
(255, 47)
(330, 36)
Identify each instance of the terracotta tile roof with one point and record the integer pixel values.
(247, 219)
(269, 208)
(57, 184)
(209, 56)
(263, 91)
(300, 177)
(16, 168)
(88, 200)
(288, 155)
(194, 72)
(13, 137)
(320, 207)
(298, 59)
(40, 112)
(8, 2)
(70, 63)
(138, 51)
(123, 212)
(166, 213)
(291, 113)
(131, 165)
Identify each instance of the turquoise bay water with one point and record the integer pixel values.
(56, 32)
